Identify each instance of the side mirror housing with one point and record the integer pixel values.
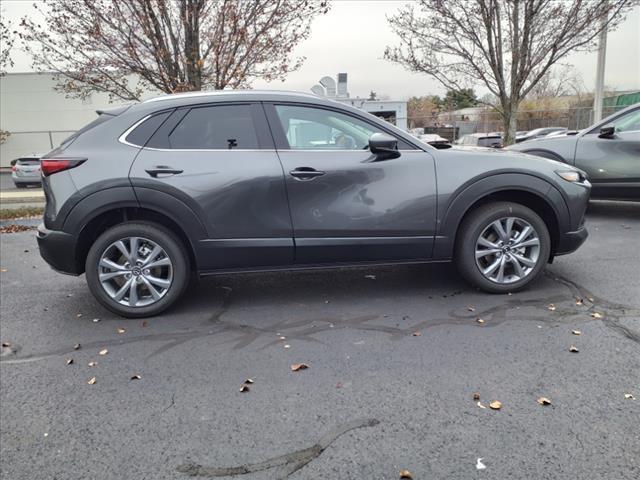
(607, 132)
(383, 146)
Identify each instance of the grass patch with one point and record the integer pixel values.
(21, 212)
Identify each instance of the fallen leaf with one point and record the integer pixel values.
(480, 465)
(69, 361)
(93, 364)
(590, 299)
(596, 315)
(576, 332)
(120, 330)
(78, 315)
(248, 381)
(406, 474)
(3, 270)
(552, 307)
(476, 396)
(416, 334)
(244, 388)
(136, 377)
(509, 293)
(495, 405)
(544, 401)
(299, 366)
(479, 320)
(573, 349)
(628, 396)
(471, 309)
(579, 301)
(96, 320)
(145, 323)
(104, 351)
(287, 346)
(92, 381)
(282, 337)
(76, 346)
(6, 344)
(479, 404)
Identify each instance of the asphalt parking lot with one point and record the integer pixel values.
(394, 355)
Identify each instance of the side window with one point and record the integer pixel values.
(213, 128)
(141, 134)
(629, 122)
(310, 128)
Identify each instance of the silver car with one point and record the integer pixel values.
(25, 171)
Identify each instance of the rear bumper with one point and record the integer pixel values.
(571, 241)
(58, 249)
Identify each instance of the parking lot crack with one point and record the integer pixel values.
(283, 465)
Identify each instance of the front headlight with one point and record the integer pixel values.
(572, 176)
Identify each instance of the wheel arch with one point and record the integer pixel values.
(528, 190)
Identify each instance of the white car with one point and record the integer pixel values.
(25, 171)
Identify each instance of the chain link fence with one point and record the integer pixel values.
(453, 126)
(19, 144)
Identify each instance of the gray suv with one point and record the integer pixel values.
(235, 181)
(609, 152)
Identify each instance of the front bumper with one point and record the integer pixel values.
(58, 249)
(570, 241)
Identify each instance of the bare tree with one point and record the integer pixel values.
(125, 47)
(506, 45)
(7, 39)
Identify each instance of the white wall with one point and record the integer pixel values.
(29, 104)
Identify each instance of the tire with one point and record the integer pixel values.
(168, 274)
(520, 261)
(21, 185)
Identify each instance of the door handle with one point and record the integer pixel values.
(305, 173)
(162, 170)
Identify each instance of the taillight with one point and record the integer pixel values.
(49, 166)
(13, 168)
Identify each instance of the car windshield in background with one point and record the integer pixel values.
(28, 161)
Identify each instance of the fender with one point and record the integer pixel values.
(463, 199)
(541, 152)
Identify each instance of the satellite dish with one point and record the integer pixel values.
(319, 90)
(330, 84)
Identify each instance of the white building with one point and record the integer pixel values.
(394, 111)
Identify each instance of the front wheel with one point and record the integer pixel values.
(502, 247)
(137, 269)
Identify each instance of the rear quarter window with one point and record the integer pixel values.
(219, 127)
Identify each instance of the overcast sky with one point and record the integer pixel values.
(353, 35)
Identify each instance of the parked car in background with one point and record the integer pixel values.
(25, 171)
(217, 182)
(608, 151)
(538, 132)
(435, 140)
(493, 140)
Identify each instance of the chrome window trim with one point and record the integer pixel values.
(122, 138)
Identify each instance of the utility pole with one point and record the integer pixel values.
(602, 53)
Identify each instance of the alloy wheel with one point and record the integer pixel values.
(135, 271)
(507, 250)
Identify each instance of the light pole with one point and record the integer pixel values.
(602, 53)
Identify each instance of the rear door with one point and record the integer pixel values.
(613, 164)
(347, 205)
(219, 160)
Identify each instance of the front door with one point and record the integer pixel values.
(219, 160)
(613, 164)
(347, 204)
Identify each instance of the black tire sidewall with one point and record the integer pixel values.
(473, 226)
(163, 237)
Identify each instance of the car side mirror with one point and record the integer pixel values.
(607, 132)
(383, 146)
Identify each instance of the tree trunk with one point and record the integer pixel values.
(509, 122)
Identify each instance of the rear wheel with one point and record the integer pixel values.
(137, 269)
(502, 247)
